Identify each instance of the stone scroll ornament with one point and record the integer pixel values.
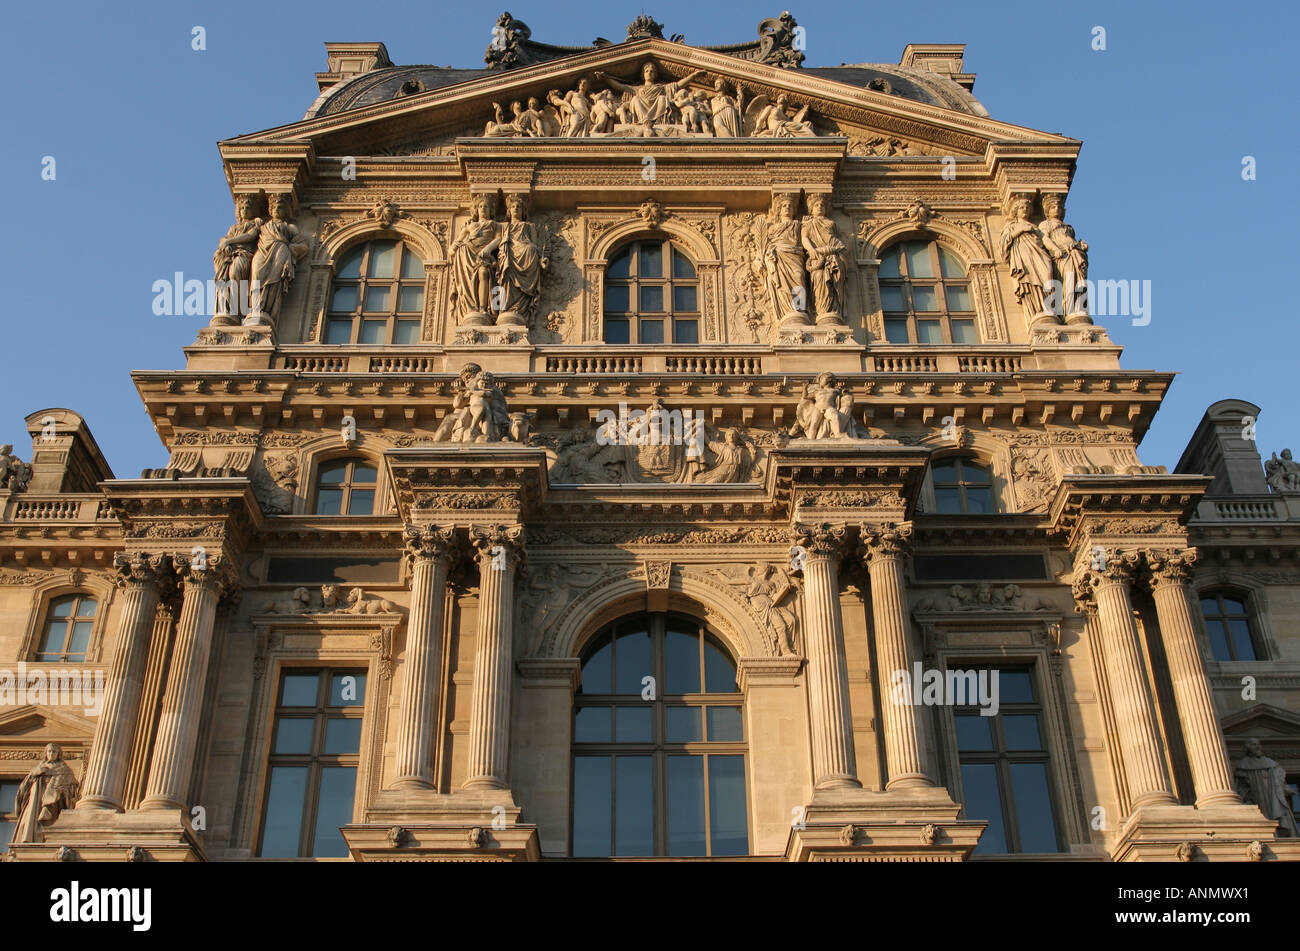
(232, 263)
(279, 247)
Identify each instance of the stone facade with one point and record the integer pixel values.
(426, 459)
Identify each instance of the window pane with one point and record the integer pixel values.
(948, 501)
(634, 818)
(300, 690)
(1218, 641)
(928, 331)
(617, 331)
(383, 258)
(377, 299)
(345, 298)
(1209, 607)
(1033, 807)
(52, 640)
(338, 331)
(686, 331)
(406, 332)
(1015, 686)
(373, 332)
(919, 263)
(728, 825)
(412, 266)
(682, 266)
(681, 662)
(293, 734)
(632, 724)
(684, 299)
(363, 473)
(652, 261)
(591, 805)
(348, 689)
(980, 783)
(329, 502)
(683, 724)
(598, 669)
(924, 298)
(1241, 642)
(591, 724)
(86, 607)
(652, 331)
(343, 735)
(719, 671)
(333, 473)
(616, 299)
(410, 299)
(896, 331)
(652, 298)
(1021, 732)
(963, 331)
(361, 502)
(284, 805)
(724, 725)
(350, 263)
(1233, 606)
(949, 265)
(958, 297)
(8, 797)
(81, 639)
(889, 263)
(891, 298)
(6, 835)
(618, 267)
(686, 805)
(61, 607)
(338, 784)
(979, 501)
(944, 470)
(973, 733)
(631, 660)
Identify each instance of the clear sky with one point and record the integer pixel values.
(132, 114)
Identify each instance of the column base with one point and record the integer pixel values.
(1223, 833)
(100, 835)
(900, 825)
(420, 825)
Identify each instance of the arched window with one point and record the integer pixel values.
(652, 295)
(345, 487)
(658, 743)
(65, 635)
(1228, 622)
(962, 486)
(378, 295)
(925, 295)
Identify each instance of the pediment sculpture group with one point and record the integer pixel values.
(1048, 263)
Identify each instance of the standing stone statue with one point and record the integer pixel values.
(1282, 475)
(1022, 247)
(784, 260)
(473, 263)
(728, 113)
(47, 789)
(279, 245)
(574, 108)
(232, 264)
(825, 261)
(1071, 257)
(651, 102)
(520, 262)
(1262, 782)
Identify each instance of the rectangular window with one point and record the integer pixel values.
(312, 770)
(8, 811)
(1005, 766)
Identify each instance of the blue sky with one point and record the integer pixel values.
(132, 115)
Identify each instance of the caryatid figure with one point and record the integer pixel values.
(825, 261)
(1022, 247)
(279, 245)
(784, 261)
(651, 102)
(520, 263)
(473, 262)
(1071, 257)
(232, 264)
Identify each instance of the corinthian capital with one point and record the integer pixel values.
(825, 540)
(139, 568)
(1170, 566)
(434, 542)
(893, 540)
(498, 544)
(1112, 565)
(200, 568)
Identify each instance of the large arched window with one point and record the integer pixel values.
(378, 295)
(65, 634)
(962, 486)
(1228, 622)
(652, 295)
(925, 295)
(345, 487)
(658, 743)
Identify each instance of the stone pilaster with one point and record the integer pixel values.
(429, 552)
(1105, 590)
(885, 551)
(140, 577)
(178, 727)
(834, 760)
(1170, 577)
(499, 550)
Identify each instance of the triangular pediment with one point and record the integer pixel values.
(870, 122)
(35, 723)
(1262, 720)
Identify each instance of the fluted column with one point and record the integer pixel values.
(1106, 590)
(178, 727)
(885, 551)
(499, 550)
(834, 760)
(429, 551)
(1171, 574)
(139, 577)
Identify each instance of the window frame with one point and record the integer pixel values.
(363, 282)
(1250, 615)
(962, 460)
(9, 818)
(669, 316)
(347, 486)
(905, 283)
(44, 619)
